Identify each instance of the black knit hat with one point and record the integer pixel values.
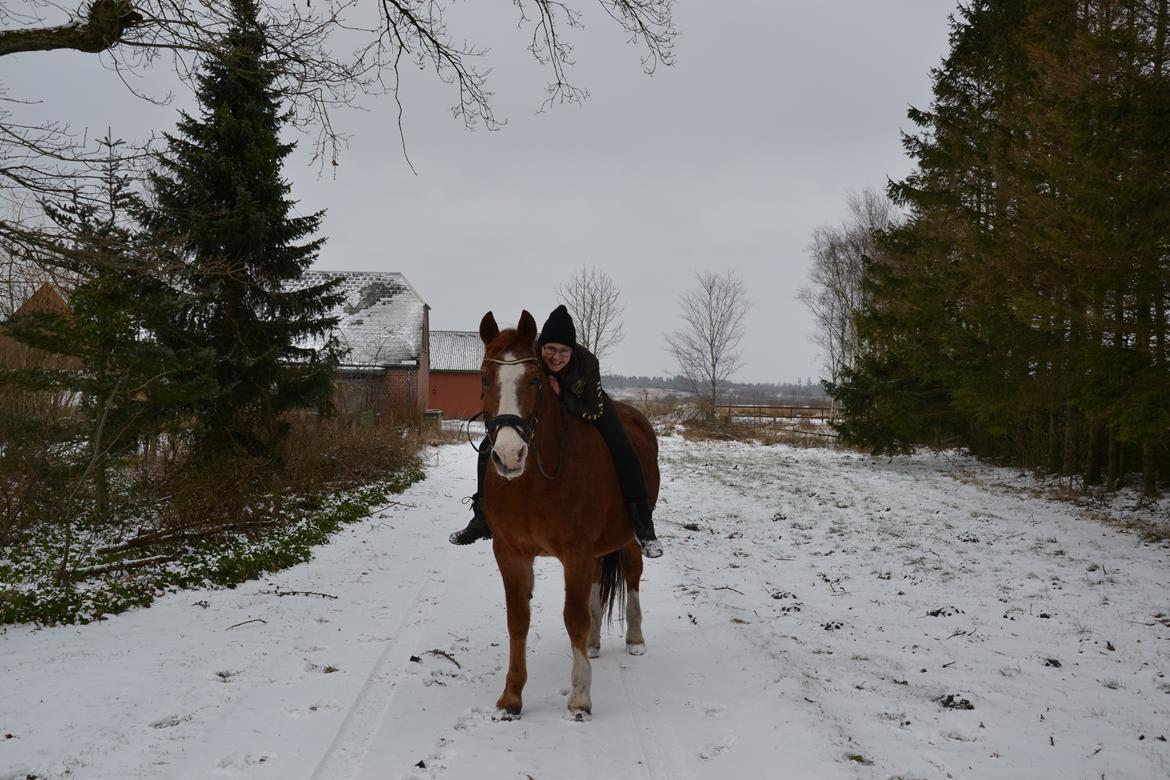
(558, 328)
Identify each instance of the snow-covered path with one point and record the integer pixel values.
(813, 615)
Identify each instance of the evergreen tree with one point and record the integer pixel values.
(104, 355)
(1021, 309)
(224, 208)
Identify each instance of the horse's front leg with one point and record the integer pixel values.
(578, 582)
(516, 571)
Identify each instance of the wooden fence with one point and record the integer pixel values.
(768, 412)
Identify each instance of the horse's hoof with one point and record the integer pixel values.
(593, 652)
(651, 548)
(579, 716)
(636, 648)
(504, 715)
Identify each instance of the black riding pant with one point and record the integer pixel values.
(625, 459)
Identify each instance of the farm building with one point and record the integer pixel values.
(13, 354)
(382, 322)
(385, 325)
(456, 356)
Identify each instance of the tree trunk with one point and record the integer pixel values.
(101, 487)
(1149, 471)
(1052, 456)
(102, 28)
(1071, 439)
(1095, 457)
(1113, 478)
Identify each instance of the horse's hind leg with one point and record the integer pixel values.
(578, 583)
(635, 642)
(595, 615)
(517, 574)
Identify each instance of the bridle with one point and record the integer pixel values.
(525, 427)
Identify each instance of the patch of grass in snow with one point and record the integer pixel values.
(30, 591)
(792, 432)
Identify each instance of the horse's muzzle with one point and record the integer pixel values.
(507, 471)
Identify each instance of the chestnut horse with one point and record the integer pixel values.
(553, 491)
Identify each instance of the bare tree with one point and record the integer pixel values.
(706, 346)
(329, 53)
(592, 298)
(834, 295)
(303, 41)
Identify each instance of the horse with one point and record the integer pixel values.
(569, 507)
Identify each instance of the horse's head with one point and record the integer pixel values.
(512, 376)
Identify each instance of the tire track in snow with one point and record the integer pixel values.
(350, 745)
(661, 750)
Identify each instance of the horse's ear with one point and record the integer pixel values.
(488, 329)
(527, 328)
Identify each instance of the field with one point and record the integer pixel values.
(819, 614)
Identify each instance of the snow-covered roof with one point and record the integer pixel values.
(456, 350)
(381, 319)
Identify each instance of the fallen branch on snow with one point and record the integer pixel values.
(90, 571)
(279, 592)
(246, 622)
(446, 655)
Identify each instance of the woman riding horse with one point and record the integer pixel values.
(575, 376)
(544, 497)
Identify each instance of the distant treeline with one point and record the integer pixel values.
(807, 392)
(1022, 307)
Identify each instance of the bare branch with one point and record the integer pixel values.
(833, 295)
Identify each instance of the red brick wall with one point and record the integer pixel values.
(387, 398)
(399, 398)
(455, 392)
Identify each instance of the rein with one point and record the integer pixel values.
(526, 427)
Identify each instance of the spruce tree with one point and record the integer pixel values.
(224, 209)
(1022, 307)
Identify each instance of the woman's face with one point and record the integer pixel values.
(556, 356)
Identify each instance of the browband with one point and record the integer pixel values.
(517, 361)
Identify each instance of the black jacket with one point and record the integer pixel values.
(580, 382)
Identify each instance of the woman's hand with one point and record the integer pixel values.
(554, 384)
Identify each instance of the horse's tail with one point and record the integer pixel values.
(613, 583)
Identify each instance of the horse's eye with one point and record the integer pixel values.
(484, 381)
(534, 380)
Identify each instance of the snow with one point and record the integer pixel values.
(811, 627)
(456, 350)
(380, 319)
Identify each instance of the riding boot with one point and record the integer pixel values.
(476, 529)
(643, 517)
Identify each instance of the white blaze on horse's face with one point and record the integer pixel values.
(510, 451)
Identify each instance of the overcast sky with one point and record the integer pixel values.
(774, 111)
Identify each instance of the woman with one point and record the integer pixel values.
(575, 376)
